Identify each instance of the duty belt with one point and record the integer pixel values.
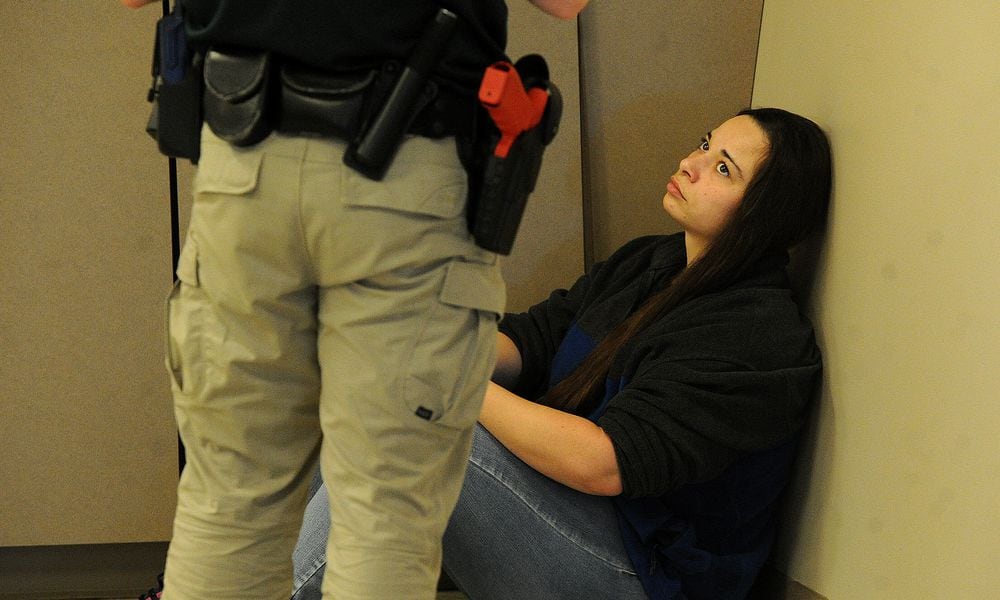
(249, 94)
(373, 110)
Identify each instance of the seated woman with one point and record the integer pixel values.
(642, 424)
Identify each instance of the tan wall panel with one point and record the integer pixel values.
(90, 449)
(898, 493)
(658, 75)
(548, 252)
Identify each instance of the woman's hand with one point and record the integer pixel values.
(565, 447)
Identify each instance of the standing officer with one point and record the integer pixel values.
(323, 313)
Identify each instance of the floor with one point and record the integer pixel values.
(440, 596)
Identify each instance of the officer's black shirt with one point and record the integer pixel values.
(350, 34)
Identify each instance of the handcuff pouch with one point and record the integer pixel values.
(238, 95)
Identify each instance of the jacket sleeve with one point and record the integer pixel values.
(707, 395)
(538, 332)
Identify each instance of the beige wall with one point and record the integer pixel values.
(899, 493)
(657, 76)
(548, 252)
(87, 425)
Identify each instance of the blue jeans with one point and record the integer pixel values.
(514, 534)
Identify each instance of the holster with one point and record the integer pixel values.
(502, 177)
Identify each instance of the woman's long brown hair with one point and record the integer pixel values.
(785, 202)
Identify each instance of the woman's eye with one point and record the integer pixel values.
(703, 146)
(723, 169)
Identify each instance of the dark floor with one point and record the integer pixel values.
(440, 596)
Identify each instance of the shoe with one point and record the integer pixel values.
(154, 592)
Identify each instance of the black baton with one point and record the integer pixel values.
(372, 153)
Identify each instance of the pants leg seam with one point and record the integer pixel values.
(543, 517)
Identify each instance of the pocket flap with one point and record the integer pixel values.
(425, 178)
(187, 263)
(326, 85)
(474, 285)
(223, 169)
(235, 76)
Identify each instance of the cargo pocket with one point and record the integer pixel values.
(226, 170)
(454, 353)
(425, 179)
(184, 322)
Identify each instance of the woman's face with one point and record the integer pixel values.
(709, 184)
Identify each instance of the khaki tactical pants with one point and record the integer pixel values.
(323, 315)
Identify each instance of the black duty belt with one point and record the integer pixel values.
(372, 110)
(248, 94)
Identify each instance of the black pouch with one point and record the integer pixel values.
(175, 120)
(324, 103)
(238, 95)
